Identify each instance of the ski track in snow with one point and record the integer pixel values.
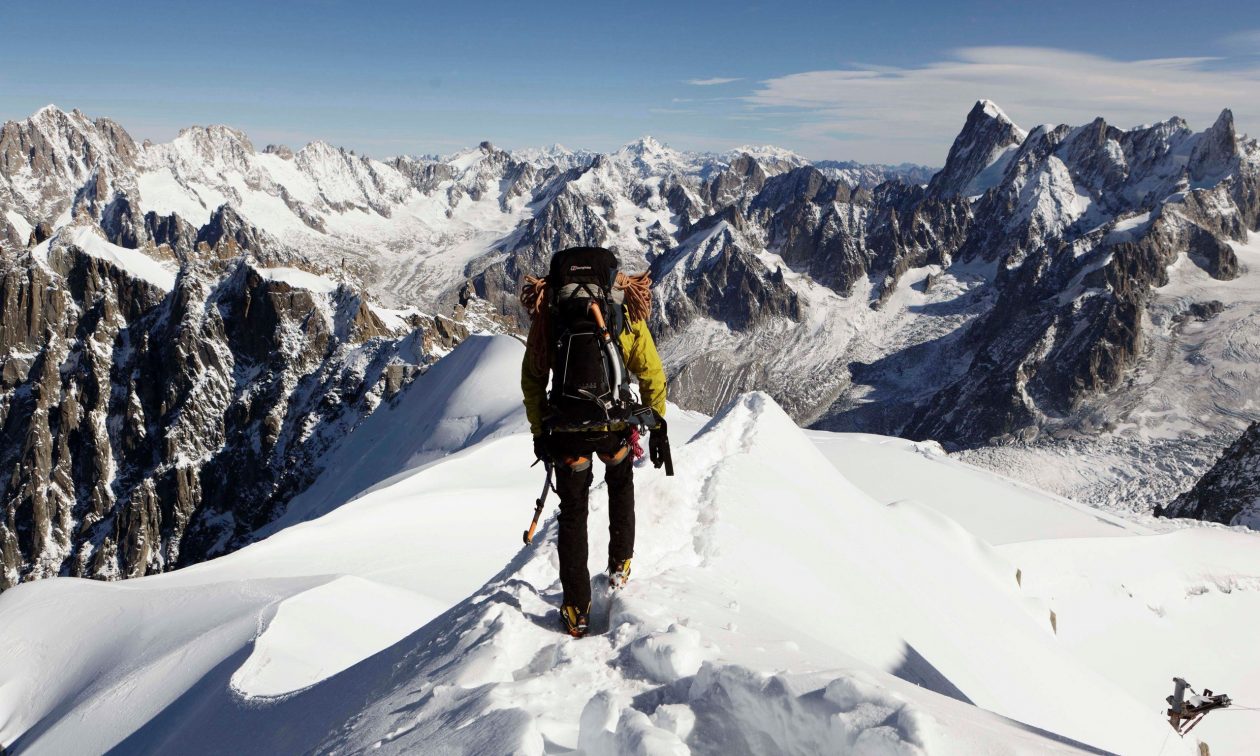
(793, 592)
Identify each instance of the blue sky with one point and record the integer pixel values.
(874, 81)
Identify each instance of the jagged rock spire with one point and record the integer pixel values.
(987, 135)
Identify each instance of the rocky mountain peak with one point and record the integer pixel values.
(767, 152)
(555, 155)
(228, 235)
(1216, 151)
(644, 145)
(48, 159)
(319, 149)
(75, 134)
(51, 118)
(1224, 125)
(990, 109)
(648, 157)
(48, 111)
(216, 139)
(979, 153)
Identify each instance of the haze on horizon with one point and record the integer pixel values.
(875, 82)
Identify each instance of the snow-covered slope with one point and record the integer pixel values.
(982, 502)
(459, 402)
(781, 601)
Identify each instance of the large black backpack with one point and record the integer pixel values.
(589, 382)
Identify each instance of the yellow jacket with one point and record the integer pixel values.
(639, 351)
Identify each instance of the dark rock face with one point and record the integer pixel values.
(817, 226)
(985, 135)
(1070, 289)
(279, 149)
(144, 429)
(1230, 491)
(728, 285)
(911, 229)
(50, 156)
(742, 178)
(1202, 311)
(228, 235)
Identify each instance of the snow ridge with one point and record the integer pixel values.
(776, 606)
(705, 650)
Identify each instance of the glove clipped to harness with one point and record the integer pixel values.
(658, 446)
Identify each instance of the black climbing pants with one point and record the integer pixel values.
(574, 455)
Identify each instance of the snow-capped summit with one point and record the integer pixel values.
(979, 154)
(992, 110)
(644, 145)
(648, 157)
(45, 160)
(203, 151)
(767, 151)
(773, 159)
(467, 158)
(556, 155)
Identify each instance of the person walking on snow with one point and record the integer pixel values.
(588, 329)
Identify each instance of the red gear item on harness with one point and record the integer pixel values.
(635, 448)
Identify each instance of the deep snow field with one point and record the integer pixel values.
(793, 592)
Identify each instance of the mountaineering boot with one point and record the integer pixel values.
(618, 573)
(574, 619)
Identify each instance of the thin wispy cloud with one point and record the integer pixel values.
(712, 82)
(1246, 41)
(893, 113)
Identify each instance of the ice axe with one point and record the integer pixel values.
(538, 506)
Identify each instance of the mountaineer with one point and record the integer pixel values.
(588, 332)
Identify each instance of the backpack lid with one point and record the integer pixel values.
(589, 265)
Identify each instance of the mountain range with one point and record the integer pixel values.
(183, 320)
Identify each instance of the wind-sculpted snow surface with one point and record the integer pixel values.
(751, 568)
(775, 607)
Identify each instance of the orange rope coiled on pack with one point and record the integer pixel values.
(638, 291)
